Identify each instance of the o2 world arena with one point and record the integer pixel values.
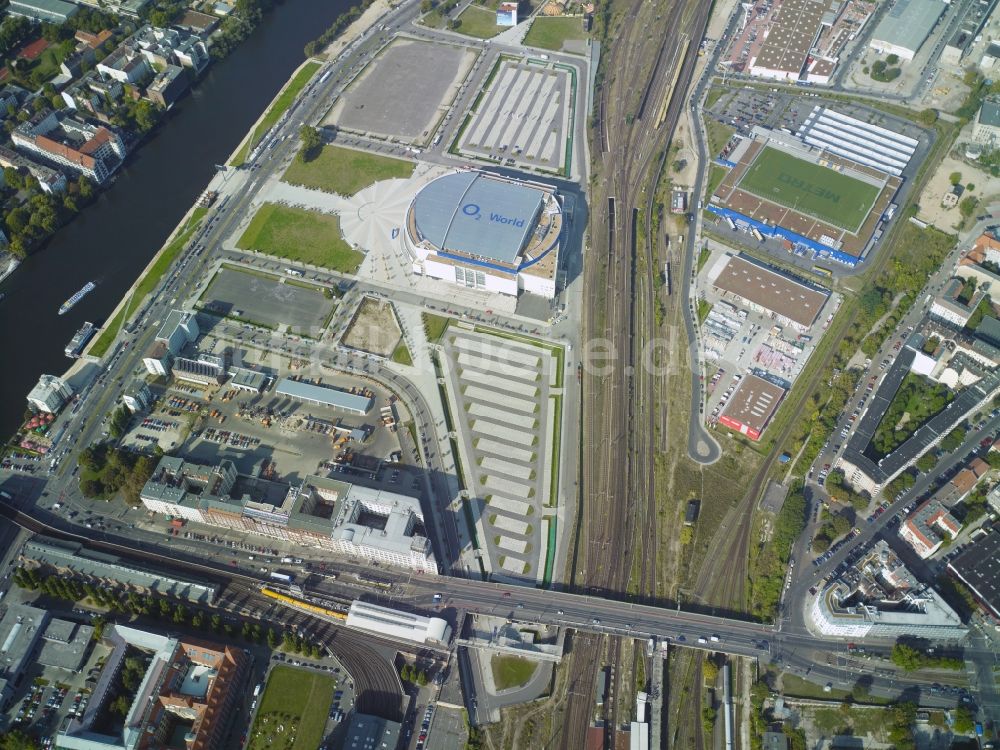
(483, 231)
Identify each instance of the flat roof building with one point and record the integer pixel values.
(786, 48)
(396, 624)
(324, 395)
(51, 11)
(65, 645)
(978, 567)
(904, 29)
(750, 409)
(179, 329)
(366, 732)
(787, 299)
(20, 630)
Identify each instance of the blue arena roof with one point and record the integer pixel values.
(478, 215)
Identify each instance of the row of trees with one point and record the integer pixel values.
(344, 20)
(771, 562)
(910, 658)
(237, 25)
(411, 674)
(161, 608)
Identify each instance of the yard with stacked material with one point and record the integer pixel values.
(345, 171)
(300, 235)
(293, 710)
(809, 188)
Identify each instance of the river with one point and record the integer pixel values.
(112, 240)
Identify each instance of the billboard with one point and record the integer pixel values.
(507, 14)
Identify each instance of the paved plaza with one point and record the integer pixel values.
(404, 91)
(524, 117)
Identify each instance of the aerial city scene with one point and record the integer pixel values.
(500, 374)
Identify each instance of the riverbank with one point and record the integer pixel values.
(296, 82)
(358, 27)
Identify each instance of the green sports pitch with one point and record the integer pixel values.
(810, 189)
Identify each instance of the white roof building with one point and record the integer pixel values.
(396, 624)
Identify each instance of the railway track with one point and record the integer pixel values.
(638, 108)
(376, 682)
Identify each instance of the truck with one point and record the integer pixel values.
(756, 234)
(731, 223)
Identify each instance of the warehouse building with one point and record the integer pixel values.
(789, 301)
(323, 395)
(750, 409)
(393, 623)
(482, 231)
(904, 29)
(785, 50)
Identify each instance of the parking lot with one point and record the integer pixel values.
(524, 118)
(403, 91)
(271, 301)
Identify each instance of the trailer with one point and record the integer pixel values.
(756, 233)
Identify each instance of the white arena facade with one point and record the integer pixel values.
(484, 231)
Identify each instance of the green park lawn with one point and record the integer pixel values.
(478, 22)
(551, 33)
(278, 107)
(345, 171)
(300, 235)
(299, 701)
(511, 671)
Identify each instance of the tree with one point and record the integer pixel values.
(906, 657)
(272, 639)
(927, 462)
(311, 143)
(710, 671)
(891, 59)
(15, 739)
(955, 178)
(927, 117)
(968, 206)
(964, 722)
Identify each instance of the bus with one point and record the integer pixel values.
(283, 577)
(823, 271)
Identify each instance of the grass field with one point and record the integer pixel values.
(550, 33)
(147, 283)
(511, 671)
(300, 235)
(817, 191)
(299, 701)
(278, 107)
(401, 354)
(345, 171)
(478, 22)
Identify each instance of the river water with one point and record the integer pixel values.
(112, 240)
